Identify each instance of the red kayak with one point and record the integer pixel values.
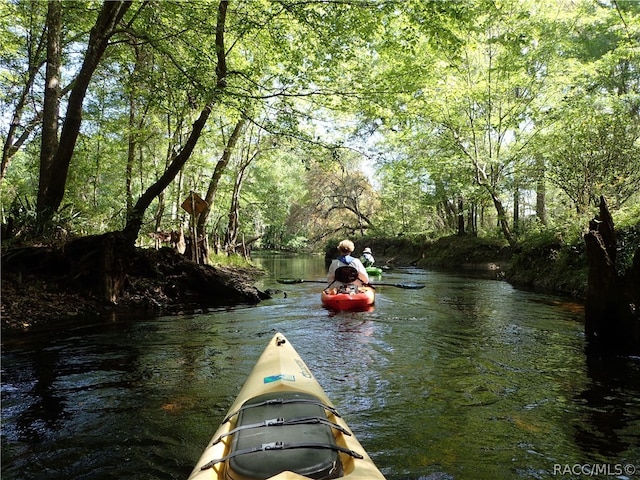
(361, 298)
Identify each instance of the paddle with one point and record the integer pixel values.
(410, 286)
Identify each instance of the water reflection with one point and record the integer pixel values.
(608, 422)
(45, 410)
(465, 379)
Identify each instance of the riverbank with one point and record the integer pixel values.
(550, 267)
(42, 291)
(42, 286)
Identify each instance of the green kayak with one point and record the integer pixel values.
(374, 271)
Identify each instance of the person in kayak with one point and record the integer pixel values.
(346, 270)
(367, 258)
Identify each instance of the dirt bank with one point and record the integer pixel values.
(41, 285)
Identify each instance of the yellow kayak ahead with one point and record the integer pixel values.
(282, 426)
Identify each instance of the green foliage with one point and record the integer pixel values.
(597, 154)
(20, 224)
(275, 180)
(458, 106)
(551, 261)
(296, 244)
(627, 223)
(628, 243)
(629, 215)
(235, 260)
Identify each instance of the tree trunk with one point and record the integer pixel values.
(231, 237)
(135, 217)
(502, 219)
(159, 213)
(541, 194)
(516, 210)
(13, 144)
(51, 106)
(612, 316)
(131, 153)
(112, 269)
(472, 219)
(217, 173)
(460, 216)
(51, 190)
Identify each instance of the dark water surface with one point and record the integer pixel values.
(465, 379)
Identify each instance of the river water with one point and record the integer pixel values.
(467, 378)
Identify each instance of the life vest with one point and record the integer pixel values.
(346, 273)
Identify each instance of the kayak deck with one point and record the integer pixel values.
(282, 426)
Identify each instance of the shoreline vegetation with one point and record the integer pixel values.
(550, 267)
(40, 289)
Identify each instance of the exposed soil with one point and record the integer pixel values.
(101, 275)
